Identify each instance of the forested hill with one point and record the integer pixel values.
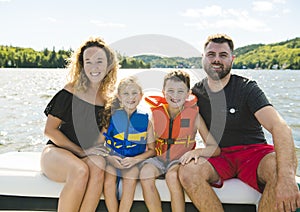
(17, 57)
(282, 55)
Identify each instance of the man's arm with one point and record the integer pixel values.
(283, 141)
(286, 186)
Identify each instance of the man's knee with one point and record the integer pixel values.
(183, 174)
(187, 172)
(201, 173)
(267, 169)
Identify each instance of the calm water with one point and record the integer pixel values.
(24, 94)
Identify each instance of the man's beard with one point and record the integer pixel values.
(214, 75)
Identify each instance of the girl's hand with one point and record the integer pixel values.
(115, 161)
(188, 156)
(128, 162)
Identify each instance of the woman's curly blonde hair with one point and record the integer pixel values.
(77, 76)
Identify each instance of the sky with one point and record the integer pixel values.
(65, 24)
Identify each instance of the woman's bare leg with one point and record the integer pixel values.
(62, 166)
(94, 188)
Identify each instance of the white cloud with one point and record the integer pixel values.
(279, 1)
(262, 6)
(108, 24)
(191, 13)
(51, 19)
(286, 11)
(5, 0)
(221, 18)
(247, 24)
(210, 11)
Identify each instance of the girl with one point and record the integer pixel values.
(130, 139)
(73, 118)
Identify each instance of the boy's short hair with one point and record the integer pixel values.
(178, 76)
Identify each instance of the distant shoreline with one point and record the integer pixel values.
(277, 56)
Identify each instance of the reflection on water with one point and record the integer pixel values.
(24, 94)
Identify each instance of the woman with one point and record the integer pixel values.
(74, 153)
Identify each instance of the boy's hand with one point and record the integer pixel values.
(188, 156)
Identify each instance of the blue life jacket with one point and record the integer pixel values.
(127, 137)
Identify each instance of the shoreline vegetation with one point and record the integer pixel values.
(282, 55)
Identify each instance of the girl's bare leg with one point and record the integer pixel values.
(110, 188)
(129, 180)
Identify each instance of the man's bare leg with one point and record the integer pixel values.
(196, 179)
(267, 174)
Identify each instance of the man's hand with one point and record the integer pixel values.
(287, 196)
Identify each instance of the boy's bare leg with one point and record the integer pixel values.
(175, 188)
(148, 176)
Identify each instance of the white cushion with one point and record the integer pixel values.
(20, 175)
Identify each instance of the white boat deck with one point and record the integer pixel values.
(20, 175)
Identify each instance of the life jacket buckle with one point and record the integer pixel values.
(169, 141)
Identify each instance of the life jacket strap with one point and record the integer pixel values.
(182, 141)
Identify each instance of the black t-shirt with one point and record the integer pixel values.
(80, 119)
(229, 113)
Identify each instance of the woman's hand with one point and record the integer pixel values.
(97, 150)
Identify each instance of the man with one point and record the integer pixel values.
(235, 109)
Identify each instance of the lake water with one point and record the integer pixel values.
(24, 93)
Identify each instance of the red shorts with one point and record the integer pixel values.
(241, 162)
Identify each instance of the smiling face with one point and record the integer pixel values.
(95, 64)
(217, 60)
(130, 96)
(175, 92)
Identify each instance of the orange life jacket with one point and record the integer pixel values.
(173, 137)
